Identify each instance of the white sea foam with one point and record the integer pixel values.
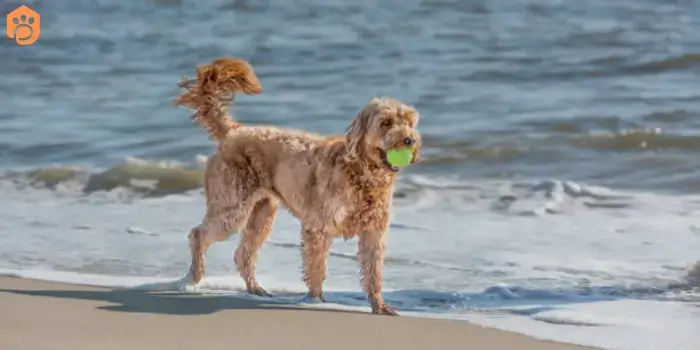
(593, 267)
(621, 325)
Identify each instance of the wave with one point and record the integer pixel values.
(619, 65)
(556, 138)
(692, 278)
(555, 197)
(521, 146)
(626, 140)
(583, 125)
(138, 178)
(160, 178)
(659, 66)
(144, 177)
(557, 69)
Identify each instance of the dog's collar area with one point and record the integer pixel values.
(386, 162)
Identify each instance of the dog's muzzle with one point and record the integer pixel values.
(386, 162)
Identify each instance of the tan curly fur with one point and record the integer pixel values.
(338, 187)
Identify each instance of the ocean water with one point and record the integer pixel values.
(559, 194)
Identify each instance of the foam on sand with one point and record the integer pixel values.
(620, 325)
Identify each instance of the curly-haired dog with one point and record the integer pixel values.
(339, 186)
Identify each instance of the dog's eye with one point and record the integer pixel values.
(386, 123)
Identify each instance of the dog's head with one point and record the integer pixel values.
(383, 124)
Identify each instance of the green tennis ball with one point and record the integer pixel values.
(399, 157)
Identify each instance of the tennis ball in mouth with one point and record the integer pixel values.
(399, 157)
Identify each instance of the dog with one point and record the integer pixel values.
(337, 187)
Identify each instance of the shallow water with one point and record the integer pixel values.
(586, 113)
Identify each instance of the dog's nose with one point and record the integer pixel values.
(409, 141)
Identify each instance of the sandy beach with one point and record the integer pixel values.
(42, 315)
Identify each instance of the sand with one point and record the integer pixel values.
(37, 315)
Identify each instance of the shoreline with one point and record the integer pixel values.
(40, 315)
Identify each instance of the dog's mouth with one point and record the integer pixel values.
(388, 165)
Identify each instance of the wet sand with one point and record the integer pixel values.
(42, 315)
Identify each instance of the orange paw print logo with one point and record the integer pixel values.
(23, 25)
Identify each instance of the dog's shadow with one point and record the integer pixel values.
(164, 303)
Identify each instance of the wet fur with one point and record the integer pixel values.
(338, 186)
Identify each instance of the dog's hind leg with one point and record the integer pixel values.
(229, 202)
(197, 251)
(315, 245)
(254, 234)
(219, 225)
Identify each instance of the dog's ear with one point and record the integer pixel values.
(355, 136)
(416, 155)
(416, 149)
(411, 114)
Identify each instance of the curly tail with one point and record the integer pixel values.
(214, 89)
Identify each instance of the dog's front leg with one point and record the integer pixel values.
(315, 245)
(371, 253)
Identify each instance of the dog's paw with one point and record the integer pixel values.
(184, 284)
(259, 291)
(195, 274)
(384, 310)
(315, 299)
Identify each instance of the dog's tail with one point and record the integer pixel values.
(214, 89)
